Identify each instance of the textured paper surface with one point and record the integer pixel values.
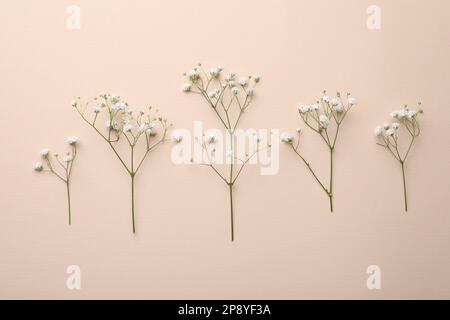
(288, 245)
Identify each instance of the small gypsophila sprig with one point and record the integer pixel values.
(324, 117)
(388, 137)
(60, 167)
(228, 96)
(112, 119)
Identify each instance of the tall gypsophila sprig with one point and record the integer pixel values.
(325, 117)
(64, 165)
(228, 97)
(388, 137)
(123, 125)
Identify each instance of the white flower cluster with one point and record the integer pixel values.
(120, 119)
(45, 155)
(197, 80)
(405, 116)
(320, 114)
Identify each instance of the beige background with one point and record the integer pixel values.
(288, 244)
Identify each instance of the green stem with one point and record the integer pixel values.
(404, 185)
(132, 203)
(232, 212)
(68, 202)
(330, 195)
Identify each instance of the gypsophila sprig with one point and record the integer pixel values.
(228, 96)
(60, 167)
(122, 124)
(387, 137)
(325, 117)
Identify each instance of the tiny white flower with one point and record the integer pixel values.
(232, 84)
(401, 114)
(411, 114)
(143, 127)
(390, 132)
(378, 131)
(230, 77)
(220, 68)
(243, 81)
(250, 91)
(115, 98)
(127, 127)
(45, 152)
(324, 121)
(177, 136)
(38, 166)
(325, 99)
(186, 87)
(386, 126)
(314, 106)
(394, 114)
(97, 109)
(214, 72)
(298, 130)
(235, 91)
(257, 79)
(212, 94)
(351, 101)
(73, 103)
(396, 125)
(304, 109)
(72, 140)
(194, 75)
(286, 137)
(119, 106)
(67, 158)
(103, 95)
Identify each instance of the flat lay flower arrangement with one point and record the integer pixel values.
(324, 117)
(228, 97)
(388, 137)
(60, 167)
(147, 129)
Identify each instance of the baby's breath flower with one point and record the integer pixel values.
(230, 77)
(390, 132)
(286, 137)
(250, 92)
(235, 91)
(304, 109)
(324, 121)
(186, 87)
(127, 127)
(38, 166)
(314, 107)
(351, 101)
(214, 72)
(119, 106)
(67, 157)
(194, 75)
(378, 131)
(72, 140)
(73, 103)
(243, 81)
(97, 109)
(396, 125)
(45, 152)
